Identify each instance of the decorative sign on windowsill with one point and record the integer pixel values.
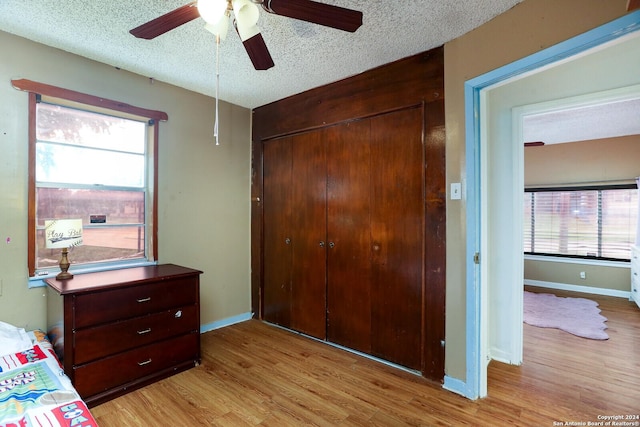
(63, 233)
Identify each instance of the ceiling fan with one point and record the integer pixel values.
(216, 14)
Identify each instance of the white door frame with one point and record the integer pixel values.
(477, 355)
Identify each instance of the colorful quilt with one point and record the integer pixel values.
(34, 391)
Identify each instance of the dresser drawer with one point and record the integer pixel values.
(101, 341)
(111, 372)
(133, 301)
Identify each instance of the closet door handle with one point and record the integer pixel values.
(321, 244)
(332, 245)
(287, 241)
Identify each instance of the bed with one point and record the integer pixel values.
(34, 391)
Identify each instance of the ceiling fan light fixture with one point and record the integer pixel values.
(247, 15)
(245, 21)
(212, 11)
(247, 33)
(220, 29)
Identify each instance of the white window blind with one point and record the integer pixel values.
(591, 223)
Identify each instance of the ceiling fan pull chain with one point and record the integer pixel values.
(215, 126)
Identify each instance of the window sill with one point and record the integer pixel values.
(582, 261)
(38, 280)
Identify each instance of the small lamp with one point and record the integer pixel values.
(63, 233)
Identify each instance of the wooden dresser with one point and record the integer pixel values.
(124, 329)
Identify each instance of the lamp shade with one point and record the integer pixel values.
(247, 32)
(247, 15)
(212, 10)
(63, 233)
(220, 29)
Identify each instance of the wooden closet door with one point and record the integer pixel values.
(308, 222)
(277, 253)
(348, 228)
(397, 216)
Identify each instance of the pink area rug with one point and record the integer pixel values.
(578, 316)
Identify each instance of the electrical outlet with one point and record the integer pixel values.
(583, 274)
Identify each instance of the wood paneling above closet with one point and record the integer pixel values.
(359, 165)
(403, 83)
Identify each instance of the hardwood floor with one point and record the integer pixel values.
(253, 373)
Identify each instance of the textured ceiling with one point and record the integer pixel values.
(604, 120)
(306, 55)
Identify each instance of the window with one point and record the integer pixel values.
(91, 166)
(598, 223)
(91, 159)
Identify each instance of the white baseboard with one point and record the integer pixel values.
(501, 356)
(459, 387)
(225, 322)
(578, 288)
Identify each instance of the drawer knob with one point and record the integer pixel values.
(146, 362)
(144, 331)
(178, 314)
(147, 299)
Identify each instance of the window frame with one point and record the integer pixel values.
(603, 187)
(97, 104)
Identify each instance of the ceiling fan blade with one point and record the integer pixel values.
(258, 53)
(167, 22)
(317, 13)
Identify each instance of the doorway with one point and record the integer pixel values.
(494, 215)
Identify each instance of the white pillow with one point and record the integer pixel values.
(13, 340)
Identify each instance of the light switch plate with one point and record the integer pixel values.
(456, 191)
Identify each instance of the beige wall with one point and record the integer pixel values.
(612, 160)
(204, 203)
(525, 29)
(564, 273)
